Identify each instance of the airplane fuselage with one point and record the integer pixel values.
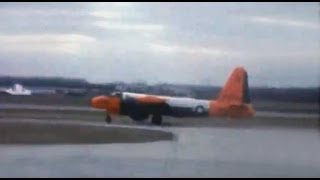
(233, 101)
(173, 106)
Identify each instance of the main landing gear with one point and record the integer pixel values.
(156, 119)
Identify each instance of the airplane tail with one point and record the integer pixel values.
(234, 98)
(236, 90)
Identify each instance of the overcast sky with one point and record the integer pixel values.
(193, 43)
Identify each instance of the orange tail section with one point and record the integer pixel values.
(234, 98)
(236, 90)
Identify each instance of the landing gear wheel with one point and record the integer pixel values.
(156, 119)
(108, 119)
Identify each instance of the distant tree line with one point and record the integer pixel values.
(201, 92)
(55, 82)
(43, 81)
(311, 95)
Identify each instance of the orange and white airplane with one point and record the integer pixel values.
(233, 101)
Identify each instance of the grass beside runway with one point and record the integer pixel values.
(286, 107)
(52, 114)
(99, 116)
(33, 132)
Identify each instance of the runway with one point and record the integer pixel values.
(6, 106)
(45, 107)
(210, 150)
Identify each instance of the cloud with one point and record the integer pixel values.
(121, 17)
(197, 43)
(106, 14)
(122, 4)
(40, 12)
(206, 51)
(124, 26)
(283, 22)
(49, 43)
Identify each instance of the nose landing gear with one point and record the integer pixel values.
(108, 118)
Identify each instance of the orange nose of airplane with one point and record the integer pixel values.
(110, 104)
(100, 102)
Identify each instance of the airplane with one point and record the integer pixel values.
(18, 89)
(233, 102)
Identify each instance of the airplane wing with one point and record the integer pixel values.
(139, 108)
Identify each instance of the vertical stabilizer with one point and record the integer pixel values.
(236, 90)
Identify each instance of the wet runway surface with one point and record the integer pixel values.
(219, 149)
